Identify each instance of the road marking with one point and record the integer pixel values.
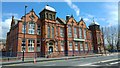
(109, 60)
(114, 63)
(50, 65)
(89, 64)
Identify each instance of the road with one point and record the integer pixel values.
(111, 60)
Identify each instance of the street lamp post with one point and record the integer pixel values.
(24, 32)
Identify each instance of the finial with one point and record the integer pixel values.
(26, 6)
(81, 19)
(12, 17)
(32, 10)
(72, 15)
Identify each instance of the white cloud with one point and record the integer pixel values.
(5, 27)
(73, 6)
(6, 22)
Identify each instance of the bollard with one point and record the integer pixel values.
(34, 60)
(8, 59)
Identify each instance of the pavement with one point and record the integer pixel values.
(33, 60)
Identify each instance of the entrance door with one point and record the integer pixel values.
(50, 49)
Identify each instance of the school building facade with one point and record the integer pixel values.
(51, 36)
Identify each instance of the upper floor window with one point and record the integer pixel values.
(80, 32)
(56, 31)
(69, 31)
(62, 32)
(53, 32)
(85, 33)
(24, 28)
(90, 35)
(47, 15)
(38, 30)
(31, 28)
(75, 32)
(48, 33)
(50, 16)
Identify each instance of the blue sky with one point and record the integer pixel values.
(105, 13)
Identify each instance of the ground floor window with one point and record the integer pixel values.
(56, 43)
(81, 46)
(62, 45)
(86, 46)
(76, 46)
(31, 43)
(38, 45)
(70, 46)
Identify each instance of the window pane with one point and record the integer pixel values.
(75, 32)
(30, 45)
(52, 32)
(31, 28)
(62, 32)
(70, 46)
(23, 28)
(76, 46)
(86, 46)
(39, 30)
(69, 31)
(84, 33)
(81, 46)
(48, 28)
(62, 45)
(80, 32)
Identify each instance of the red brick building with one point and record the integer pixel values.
(49, 35)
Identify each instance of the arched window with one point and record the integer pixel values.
(31, 28)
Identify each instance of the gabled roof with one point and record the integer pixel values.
(60, 20)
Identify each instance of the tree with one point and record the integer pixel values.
(111, 36)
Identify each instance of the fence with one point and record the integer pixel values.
(47, 54)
